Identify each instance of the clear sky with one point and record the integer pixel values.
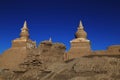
(59, 19)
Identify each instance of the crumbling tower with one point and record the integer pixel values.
(80, 46)
(21, 46)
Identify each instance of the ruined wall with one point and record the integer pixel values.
(110, 51)
(51, 52)
(115, 49)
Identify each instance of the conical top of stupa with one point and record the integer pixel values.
(80, 32)
(24, 31)
(80, 25)
(25, 25)
(50, 39)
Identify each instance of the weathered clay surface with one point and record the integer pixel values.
(85, 68)
(46, 63)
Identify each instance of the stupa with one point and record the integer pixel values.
(80, 46)
(19, 50)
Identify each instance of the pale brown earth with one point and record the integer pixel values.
(46, 63)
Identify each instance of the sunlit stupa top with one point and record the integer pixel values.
(80, 32)
(50, 39)
(24, 32)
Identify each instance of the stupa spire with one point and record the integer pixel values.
(80, 32)
(80, 25)
(50, 39)
(25, 26)
(24, 31)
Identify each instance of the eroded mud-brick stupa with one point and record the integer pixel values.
(19, 50)
(81, 46)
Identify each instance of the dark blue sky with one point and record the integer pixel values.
(59, 19)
